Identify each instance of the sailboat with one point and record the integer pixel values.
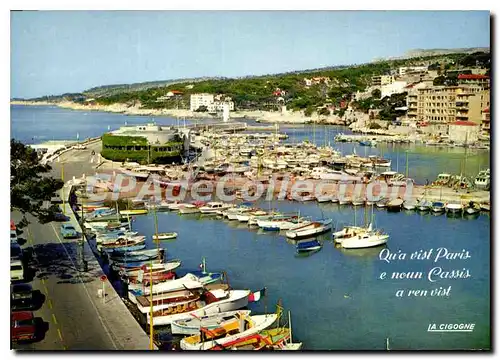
(365, 239)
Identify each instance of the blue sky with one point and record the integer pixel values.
(54, 52)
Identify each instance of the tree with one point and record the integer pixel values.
(308, 111)
(202, 108)
(439, 81)
(376, 93)
(29, 184)
(324, 111)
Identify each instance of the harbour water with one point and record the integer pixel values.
(336, 296)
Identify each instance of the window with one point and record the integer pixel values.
(16, 267)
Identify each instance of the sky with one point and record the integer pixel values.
(54, 52)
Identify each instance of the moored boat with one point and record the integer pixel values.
(365, 240)
(454, 208)
(134, 212)
(165, 236)
(243, 325)
(395, 205)
(438, 207)
(192, 326)
(209, 302)
(306, 246)
(311, 229)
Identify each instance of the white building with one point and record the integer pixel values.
(396, 87)
(218, 106)
(198, 100)
(466, 132)
(411, 69)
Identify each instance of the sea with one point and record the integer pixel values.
(434, 270)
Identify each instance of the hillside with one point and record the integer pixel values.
(329, 86)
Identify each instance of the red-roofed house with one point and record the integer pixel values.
(474, 79)
(464, 132)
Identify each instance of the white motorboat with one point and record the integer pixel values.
(245, 217)
(344, 200)
(365, 240)
(358, 201)
(192, 326)
(323, 198)
(213, 207)
(311, 229)
(455, 208)
(189, 209)
(230, 331)
(409, 204)
(165, 236)
(483, 180)
(175, 206)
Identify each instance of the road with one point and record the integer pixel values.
(70, 316)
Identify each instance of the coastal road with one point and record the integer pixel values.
(70, 316)
(77, 162)
(70, 320)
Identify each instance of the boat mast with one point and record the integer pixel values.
(151, 328)
(397, 161)
(290, 325)
(406, 170)
(156, 228)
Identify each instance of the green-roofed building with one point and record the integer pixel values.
(146, 144)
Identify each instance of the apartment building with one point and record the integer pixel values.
(381, 80)
(198, 100)
(219, 105)
(446, 104)
(482, 81)
(485, 123)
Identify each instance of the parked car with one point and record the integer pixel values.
(68, 231)
(16, 252)
(16, 270)
(22, 326)
(13, 237)
(21, 297)
(60, 217)
(79, 147)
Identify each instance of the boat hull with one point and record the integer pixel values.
(237, 301)
(192, 326)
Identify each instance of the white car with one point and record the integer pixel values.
(79, 147)
(16, 270)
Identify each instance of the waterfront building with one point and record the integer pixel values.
(203, 99)
(381, 80)
(220, 103)
(464, 132)
(485, 122)
(146, 144)
(482, 81)
(446, 104)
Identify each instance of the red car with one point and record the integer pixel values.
(22, 326)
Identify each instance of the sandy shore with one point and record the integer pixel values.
(290, 117)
